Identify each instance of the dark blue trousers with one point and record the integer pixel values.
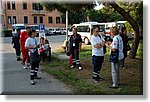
(97, 63)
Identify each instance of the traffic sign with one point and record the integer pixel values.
(41, 27)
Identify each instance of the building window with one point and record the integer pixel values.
(25, 5)
(41, 19)
(13, 5)
(14, 20)
(37, 6)
(35, 19)
(9, 19)
(25, 19)
(57, 19)
(50, 20)
(8, 5)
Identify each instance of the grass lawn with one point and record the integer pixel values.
(131, 78)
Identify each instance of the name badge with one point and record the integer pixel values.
(73, 44)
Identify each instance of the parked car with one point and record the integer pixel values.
(52, 31)
(55, 31)
(63, 31)
(47, 33)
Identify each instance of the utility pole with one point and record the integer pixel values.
(66, 25)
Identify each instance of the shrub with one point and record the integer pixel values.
(7, 33)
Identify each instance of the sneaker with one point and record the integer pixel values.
(80, 68)
(24, 66)
(101, 79)
(32, 82)
(95, 80)
(114, 87)
(28, 66)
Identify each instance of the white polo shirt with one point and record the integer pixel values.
(31, 42)
(117, 39)
(97, 40)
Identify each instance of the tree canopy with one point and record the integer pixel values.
(130, 11)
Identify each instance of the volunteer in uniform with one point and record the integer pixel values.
(97, 42)
(75, 48)
(32, 45)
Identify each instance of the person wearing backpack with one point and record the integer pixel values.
(116, 48)
(97, 42)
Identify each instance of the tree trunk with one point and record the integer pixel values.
(134, 25)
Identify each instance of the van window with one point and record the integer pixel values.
(34, 27)
(83, 28)
(21, 27)
(101, 28)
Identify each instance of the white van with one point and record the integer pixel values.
(108, 25)
(84, 29)
(15, 26)
(35, 27)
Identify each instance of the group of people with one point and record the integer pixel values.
(26, 43)
(118, 42)
(32, 51)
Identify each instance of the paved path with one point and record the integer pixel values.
(16, 79)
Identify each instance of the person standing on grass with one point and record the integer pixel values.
(75, 44)
(125, 43)
(16, 45)
(25, 55)
(32, 45)
(97, 42)
(117, 44)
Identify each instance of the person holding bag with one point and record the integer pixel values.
(32, 45)
(116, 56)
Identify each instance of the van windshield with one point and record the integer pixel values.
(21, 27)
(83, 28)
(34, 27)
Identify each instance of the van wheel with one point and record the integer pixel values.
(86, 41)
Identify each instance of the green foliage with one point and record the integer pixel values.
(74, 17)
(135, 9)
(63, 6)
(7, 33)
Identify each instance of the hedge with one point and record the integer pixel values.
(7, 33)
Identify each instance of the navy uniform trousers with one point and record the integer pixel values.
(75, 58)
(34, 61)
(97, 63)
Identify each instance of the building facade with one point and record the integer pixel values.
(28, 12)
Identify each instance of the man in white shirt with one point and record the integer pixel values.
(117, 44)
(97, 42)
